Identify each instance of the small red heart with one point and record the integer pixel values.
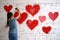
(22, 17)
(16, 14)
(53, 16)
(32, 24)
(42, 18)
(46, 29)
(7, 8)
(32, 10)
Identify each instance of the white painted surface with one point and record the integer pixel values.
(24, 33)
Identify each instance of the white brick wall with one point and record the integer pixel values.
(24, 33)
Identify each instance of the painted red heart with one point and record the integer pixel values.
(7, 8)
(32, 24)
(46, 29)
(53, 16)
(16, 14)
(33, 10)
(42, 18)
(22, 17)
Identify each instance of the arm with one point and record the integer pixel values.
(6, 26)
(18, 16)
(17, 10)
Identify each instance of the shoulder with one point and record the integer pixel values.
(14, 19)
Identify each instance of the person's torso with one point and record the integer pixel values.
(12, 26)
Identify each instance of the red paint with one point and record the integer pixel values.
(32, 24)
(53, 16)
(16, 14)
(46, 29)
(42, 18)
(23, 17)
(33, 10)
(7, 8)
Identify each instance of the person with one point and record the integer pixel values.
(11, 23)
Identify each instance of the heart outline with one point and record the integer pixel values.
(33, 10)
(32, 24)
(8, 8)
(46, 29)
(53, 16)
(42, 18)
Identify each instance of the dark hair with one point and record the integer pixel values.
(16, 9)
(9, 14)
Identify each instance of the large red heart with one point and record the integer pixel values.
(32, 24)
(32, 10)
(7, 8)
(22, 17)
(53, 16)
(46, 29)
(42, 18)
